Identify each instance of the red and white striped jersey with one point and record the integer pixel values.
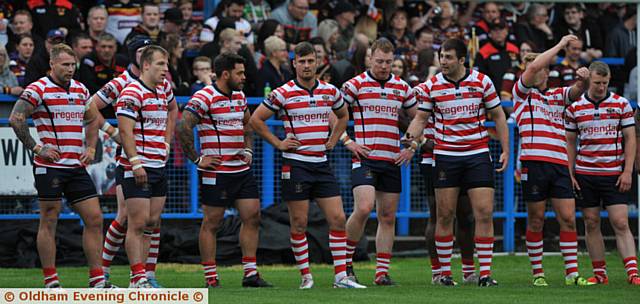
(459, 111)
(429, 134)
(540, 119)
(375, 113)
(599, 125)
(59, 118)
(109, 92)
(305, 114)
(221, 126)
(149, 108)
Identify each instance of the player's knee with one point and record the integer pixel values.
(252, 219)
(620, 224)
(445, 216)
(535, 224)
(567, 222)
(211, 224)
(299, 224)
(93, 221)
(336, 221)
(364, 209)
(591, 223)
(387, 219)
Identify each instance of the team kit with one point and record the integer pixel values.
(577, 148)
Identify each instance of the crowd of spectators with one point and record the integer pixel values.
(264, 32)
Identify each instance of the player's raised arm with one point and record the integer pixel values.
(543, 60)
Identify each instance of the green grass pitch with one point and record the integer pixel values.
(411, 274)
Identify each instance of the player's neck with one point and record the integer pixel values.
(307, 84)
(148, 81)
(60, 83)
(457, 75)
(223, 87)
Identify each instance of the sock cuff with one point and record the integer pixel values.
(468, 262)
(336, 233)
(138, 267)
(298, 236)
(629, 259)
(532, 236)
(598, 264)
(484, 240)
(96, 272)
(148, 233)
(352, 243)
(383, 255)
(444, 238)
(248, 259)
(156, 230)
(49, 271)
(117, 226)
(208, 263)
(568, 236)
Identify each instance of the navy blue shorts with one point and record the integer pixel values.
(427, 177)
(74, 184)
(544, 180)
(228, 188)
(599, 191)
(119, 175)
(305, 180)
(468, 172)
(382, 175)
(156, 185)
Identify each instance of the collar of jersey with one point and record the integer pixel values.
(146, 87)
(310, 91)
(66, 88)
(457, 83)
(597, 102)
(215, 87)
(382, 82)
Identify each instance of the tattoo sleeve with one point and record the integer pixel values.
(18, 121)
(248, 131)
(184, 131)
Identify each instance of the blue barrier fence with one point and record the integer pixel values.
(182, 202)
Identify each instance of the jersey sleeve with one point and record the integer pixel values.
(409, 98)
(197, 105)
(489, 96)
(570, 120)
(110, 91)
(128, 104)
(508, 82)
(275, 101)
(350, 91)
(169, 92)
(422, 96)
(32, 94)
(520, 91)
(627, 119)
(338, 101)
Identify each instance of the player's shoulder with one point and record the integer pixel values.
(323, 85)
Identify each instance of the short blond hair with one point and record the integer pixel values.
(59, 49)
(273, 44)
(228, 34)
(600, 68)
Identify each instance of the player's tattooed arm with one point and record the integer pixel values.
(18, 121)
(172, 117)
(184, 132)
(248, 130)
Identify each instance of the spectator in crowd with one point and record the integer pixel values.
(536, 28)
(230, 41)
(103, 64)
(424, 42)
(564, 74)
(179, 71)
(490, 13)
(150, 25)
(39, 65)
(498, 55)
(190, 28)
(22, 24)
(299, 24)
(268, 28)
(344, 14)
(513, 74)
(203, 73)
(623, 37)
(426, 68)
(399, 68)
(97, 23)
(82, 45)
(172, 21)
(47, 15)
(257, 12)
(398, 32)
(233, 9)
(124, 15)
(20, 58)
(368, 27)
(444, 25)
(574, 23)
(8, 80)
(275, 71)
(325, 71)
(329, 31)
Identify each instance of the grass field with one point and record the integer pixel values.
(411, 274)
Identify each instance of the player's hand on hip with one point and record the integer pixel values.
(359, 151)
(88, 155)
(624, 182)
(289, 143)
(49, 153)
(209, 162)
(247, 157)
(504, 160)
(140, 176)
(406, 139)
(405, 156)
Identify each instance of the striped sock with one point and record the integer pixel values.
(444, 246)
(569, 248)
(338, 246)
(468, 267)
(599, 269)
(154, 250)
(484, 249)
(631, 266)
(210, 271)
(351, 249)
(50, 276)
(112, 242)
(137, 273)
(249, 266)
(383, 260)
(535, 245)
(96, 277)
(300, 249)
(435, 267)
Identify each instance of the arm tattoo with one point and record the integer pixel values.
(248, 131)
(18, 121)
(184, 131)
